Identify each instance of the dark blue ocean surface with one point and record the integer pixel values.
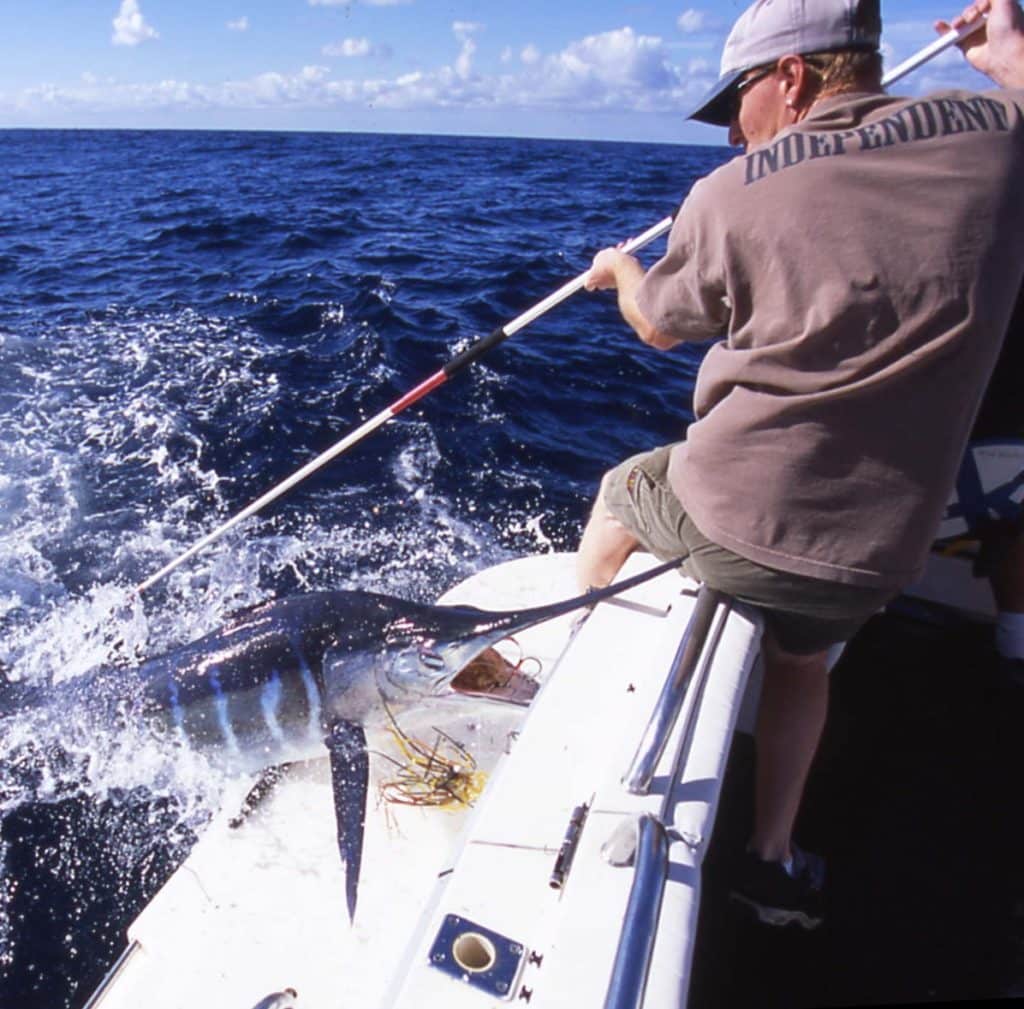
(187, 318)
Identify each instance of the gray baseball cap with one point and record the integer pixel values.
(770, 29)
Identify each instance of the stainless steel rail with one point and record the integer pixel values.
(687, 677)
(637, 779)
(640, 927)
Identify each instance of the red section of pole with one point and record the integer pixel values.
(429, 385)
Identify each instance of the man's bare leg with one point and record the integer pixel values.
(604, 547)
(790, 722)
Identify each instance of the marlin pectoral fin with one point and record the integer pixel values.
(350, 778)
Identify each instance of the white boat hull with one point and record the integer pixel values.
(261, 908)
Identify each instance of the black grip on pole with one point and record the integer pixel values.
(478, 349)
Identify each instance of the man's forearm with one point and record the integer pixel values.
(628, 276)
(613, 268)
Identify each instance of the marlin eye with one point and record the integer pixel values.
(431, 660)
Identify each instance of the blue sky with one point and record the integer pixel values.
(551, 68)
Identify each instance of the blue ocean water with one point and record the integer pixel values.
(187, 318)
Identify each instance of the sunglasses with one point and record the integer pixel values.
(760, 75)
(737, 92)
(814, 61)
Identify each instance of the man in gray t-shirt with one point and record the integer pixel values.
(859, 262)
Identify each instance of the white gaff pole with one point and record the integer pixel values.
(940, 45)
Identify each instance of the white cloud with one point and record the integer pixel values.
(615, 70)
(464, 32)
(130, 26)
(270, 89)
(465, 29)
(464, 61)
(619, 60)
(619, 71)
(348, 48)
(353, 47)
(530, 54)
(241, 25)
(690, 21)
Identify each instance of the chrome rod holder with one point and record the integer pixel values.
(640, 924)
(637, 780)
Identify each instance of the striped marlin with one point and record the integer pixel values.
(283, 679)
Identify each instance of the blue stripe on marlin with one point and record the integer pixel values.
(312, 688)
(221, 706)
(270, 700)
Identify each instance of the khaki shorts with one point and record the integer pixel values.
(805, 615)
